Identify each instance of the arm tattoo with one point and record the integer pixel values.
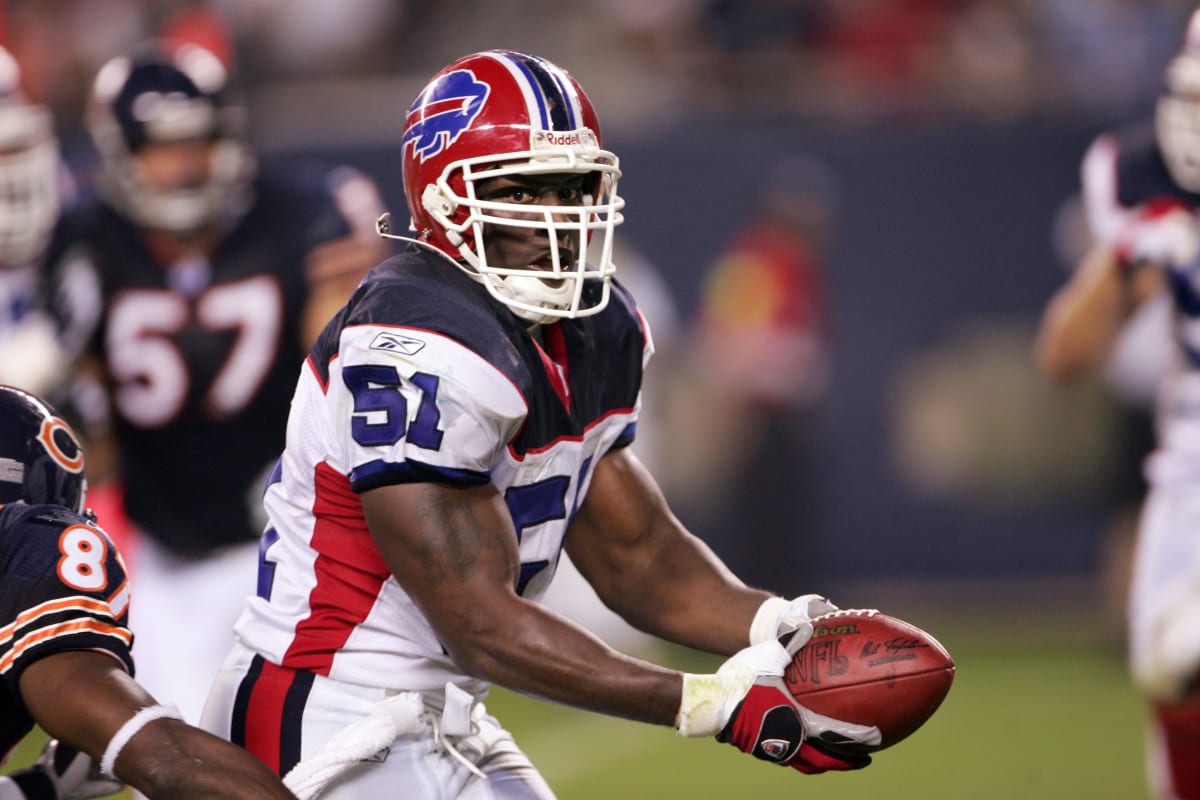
(454, 540)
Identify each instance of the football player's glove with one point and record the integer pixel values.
(63, 773)
(746, 704)
(790, 621)
(1164, 234)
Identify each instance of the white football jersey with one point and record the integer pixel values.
(1123, 174)
(423, 378)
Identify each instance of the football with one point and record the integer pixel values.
(866, 667)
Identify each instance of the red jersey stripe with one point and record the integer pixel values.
(348, 585)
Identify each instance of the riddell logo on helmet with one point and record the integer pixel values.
(567, 138)
(564, 139)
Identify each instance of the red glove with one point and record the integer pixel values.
(746, 704)
(769, 724)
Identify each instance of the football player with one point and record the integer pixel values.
(32, 185)
(213, 277)
(1141, 192)
(65, 649)
(462, 420)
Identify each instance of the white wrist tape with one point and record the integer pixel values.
(127, 731)
(701, 706)
(766, 620)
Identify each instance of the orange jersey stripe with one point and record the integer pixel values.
(53, 606)
(63, 629)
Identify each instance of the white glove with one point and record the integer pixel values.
(788, 620)
(63, 773)
(1166, 236)
(709, 701)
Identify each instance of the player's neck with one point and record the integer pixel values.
(168, 248)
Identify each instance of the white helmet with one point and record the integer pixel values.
(1177, 118)
(29, 163)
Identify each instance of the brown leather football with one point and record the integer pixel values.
(866, 667)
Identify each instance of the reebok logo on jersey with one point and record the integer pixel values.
(395, 343)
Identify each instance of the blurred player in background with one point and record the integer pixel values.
(32, 186)
(212, 277)
(1141, 192)
(460, 422)
(65, 649)
(761, 373)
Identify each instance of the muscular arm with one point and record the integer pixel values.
(1084, 318)
(84, 697)
(455, 552)
(646, 567)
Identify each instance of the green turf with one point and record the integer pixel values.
(1029, 718)
(1025, 719)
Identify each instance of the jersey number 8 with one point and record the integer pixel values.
(83, 555)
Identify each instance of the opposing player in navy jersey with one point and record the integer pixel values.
(65, 660)
(1141, 191)
(462, 420)
(211, 276)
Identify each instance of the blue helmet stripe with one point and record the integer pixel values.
(554, 104)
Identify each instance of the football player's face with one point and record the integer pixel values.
(171, 166)
(510, 246)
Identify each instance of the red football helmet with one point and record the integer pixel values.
(502, 113)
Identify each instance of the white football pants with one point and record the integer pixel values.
(182, 613)
(284, 716)
(1164, 597)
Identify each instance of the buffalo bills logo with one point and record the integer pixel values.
(443, 111)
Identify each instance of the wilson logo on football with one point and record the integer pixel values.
(443, 111)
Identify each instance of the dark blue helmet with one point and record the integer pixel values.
(162, 94)
(41, 460)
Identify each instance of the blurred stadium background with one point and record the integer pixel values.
(941, 479)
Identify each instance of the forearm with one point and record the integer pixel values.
(649, 569)
(1084, 318)
(529, 649)
(87, 700)
(686, 595)
(171, 759)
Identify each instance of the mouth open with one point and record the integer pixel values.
(545, 263)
